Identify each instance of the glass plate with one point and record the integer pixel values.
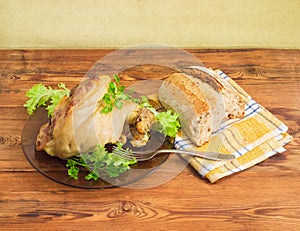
(55, 169)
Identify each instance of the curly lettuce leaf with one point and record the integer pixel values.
(168, 122)
(39, 95)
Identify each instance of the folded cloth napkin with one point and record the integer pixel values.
(252, 139)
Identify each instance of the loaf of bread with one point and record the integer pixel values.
(203, 101)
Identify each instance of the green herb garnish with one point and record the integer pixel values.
(114, 96)
(99, 161)
(39, 95)
(168, 121)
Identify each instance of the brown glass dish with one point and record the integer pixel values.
(55, 168)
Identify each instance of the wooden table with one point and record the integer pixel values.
(264, 197)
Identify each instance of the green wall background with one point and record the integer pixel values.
(180, 23)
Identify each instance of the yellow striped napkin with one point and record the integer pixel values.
(252, 139)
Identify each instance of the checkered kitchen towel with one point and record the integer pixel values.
(256, 137)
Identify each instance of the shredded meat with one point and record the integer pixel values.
(140, 122)
(43, 137)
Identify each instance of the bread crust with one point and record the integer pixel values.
(233, 102)
(191, 90)
(203, 76)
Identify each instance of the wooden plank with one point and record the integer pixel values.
(264, 197)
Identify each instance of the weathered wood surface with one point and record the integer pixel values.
(264, 197)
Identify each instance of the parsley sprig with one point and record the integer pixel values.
(114, 96)
(99, 161)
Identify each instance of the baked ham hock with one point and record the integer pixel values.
(77, 124)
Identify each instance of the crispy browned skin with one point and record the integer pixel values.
(204, 77)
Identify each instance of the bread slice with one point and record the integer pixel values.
(202, 100)
(183, 95)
